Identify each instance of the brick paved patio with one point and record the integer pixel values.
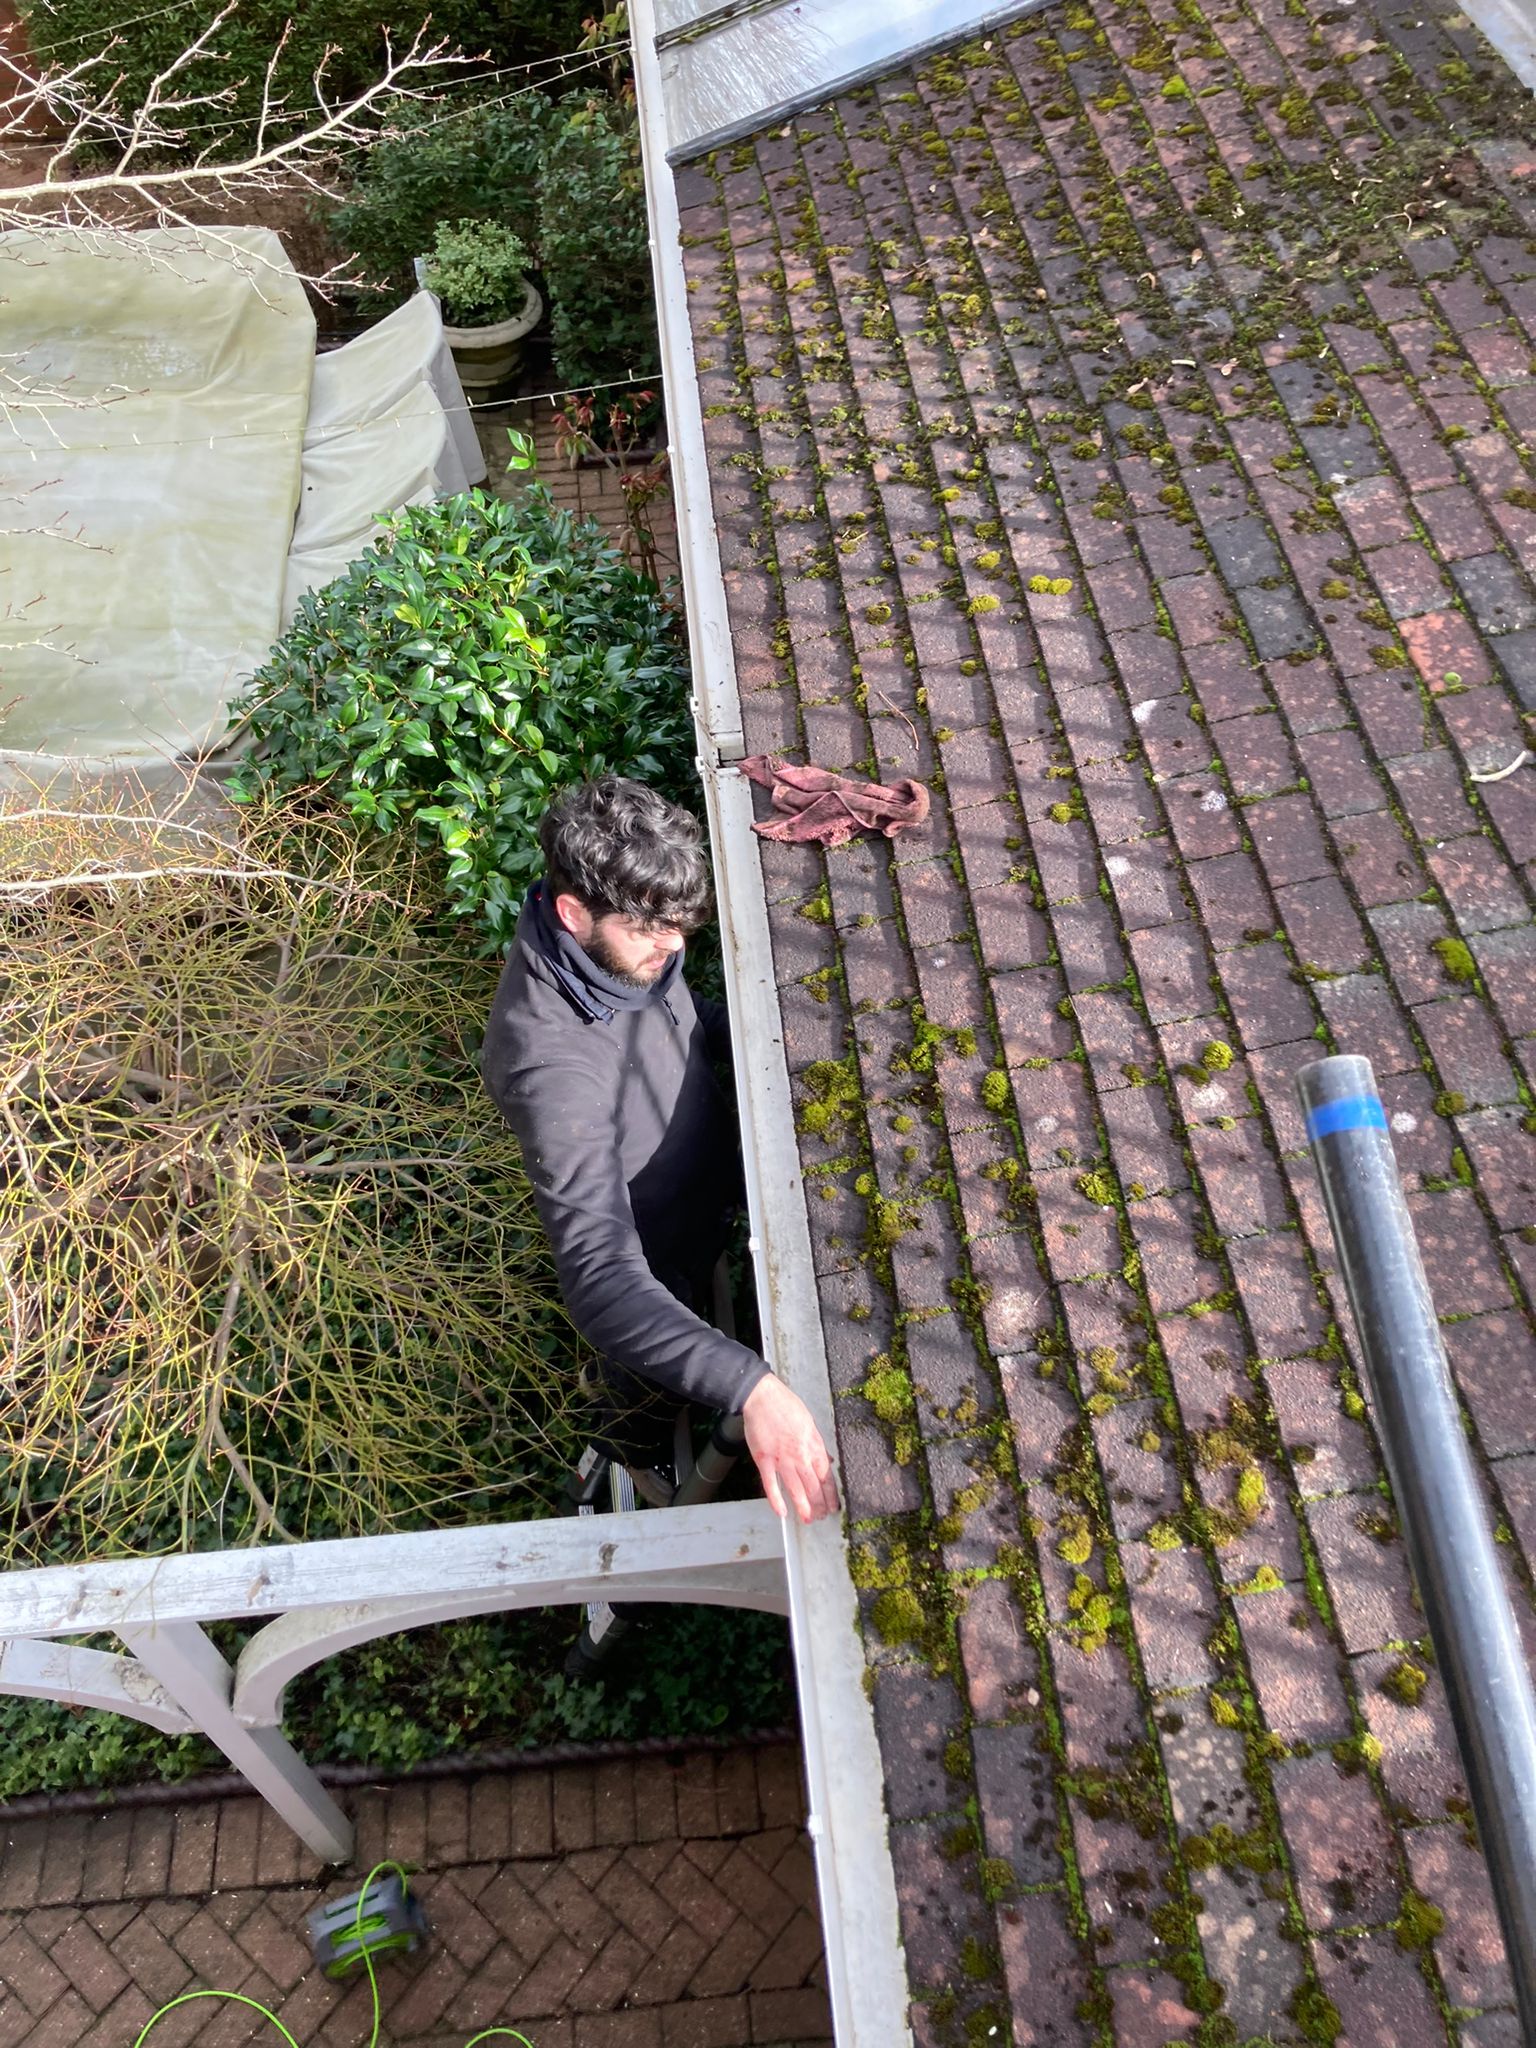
(654, 1903)
(1121, 424)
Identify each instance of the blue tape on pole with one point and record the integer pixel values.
(1352, 1113)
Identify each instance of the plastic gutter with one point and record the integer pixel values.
(866, 1972)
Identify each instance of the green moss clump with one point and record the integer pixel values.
(1104, 1363)
(1265, 1580)
(1165, 1536)
(877, 614)
(1217, 1057)
(1405, 1682)
(1236, 1442)
(985, 603)
(1316, 2015)
(1389, 657)
(961, 1840)
(898, 1615)
(888, 1390)
(1223, 1713)
(887, 1222)
(1224, 1846)
(1098, 1186)
(1075, 1544)
(1175, 89)
(1352, 1756)
(817, 909)
(977, 1960)
(996, 1094)
(835, 1096)
(931, 1041)
(957, 1758)
(1455, 957)
(1335, 589)
(1251, 1495)
(998, 1880)
(1449, 1103)
(1095, 1614)
(1420, 1920)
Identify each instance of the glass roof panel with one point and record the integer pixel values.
(729, 67)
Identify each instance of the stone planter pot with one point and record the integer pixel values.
(486, 357)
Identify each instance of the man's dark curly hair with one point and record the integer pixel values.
(620, 846)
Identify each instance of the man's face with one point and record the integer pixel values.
(631, 952)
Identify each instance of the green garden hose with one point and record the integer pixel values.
(239, 1997)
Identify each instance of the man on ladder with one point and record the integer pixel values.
(601, 1059)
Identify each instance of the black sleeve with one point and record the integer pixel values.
(563, 1121)
(716, 1019)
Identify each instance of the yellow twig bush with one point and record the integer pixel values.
(268, 1264)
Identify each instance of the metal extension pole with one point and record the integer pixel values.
(1450, 1544)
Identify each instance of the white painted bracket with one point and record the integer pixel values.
(191, 1670)
(275, 1656)
(727, 1554)
(78, 1677)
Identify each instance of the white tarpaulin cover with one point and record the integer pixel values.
(178, 469)
(150, 461)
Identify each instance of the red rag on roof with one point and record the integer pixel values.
(823, 809)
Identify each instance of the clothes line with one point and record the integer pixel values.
(297, 434)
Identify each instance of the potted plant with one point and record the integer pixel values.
(478, 269)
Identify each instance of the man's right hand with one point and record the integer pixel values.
(788, 1451)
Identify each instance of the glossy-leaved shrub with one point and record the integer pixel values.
(482, 655)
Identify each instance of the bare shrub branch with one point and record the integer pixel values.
(268, 1261)
(110, 166)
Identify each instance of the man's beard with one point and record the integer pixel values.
(598, 950)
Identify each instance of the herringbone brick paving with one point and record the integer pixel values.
(652, 1903)
(1122, 423)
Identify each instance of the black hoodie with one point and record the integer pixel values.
(630, 1145)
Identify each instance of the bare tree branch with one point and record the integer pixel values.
(159, 170)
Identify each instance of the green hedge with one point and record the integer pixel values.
(484, 654)
(481, 163)
(594, 246)
(566, 176)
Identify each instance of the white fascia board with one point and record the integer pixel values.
(845, 1777)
